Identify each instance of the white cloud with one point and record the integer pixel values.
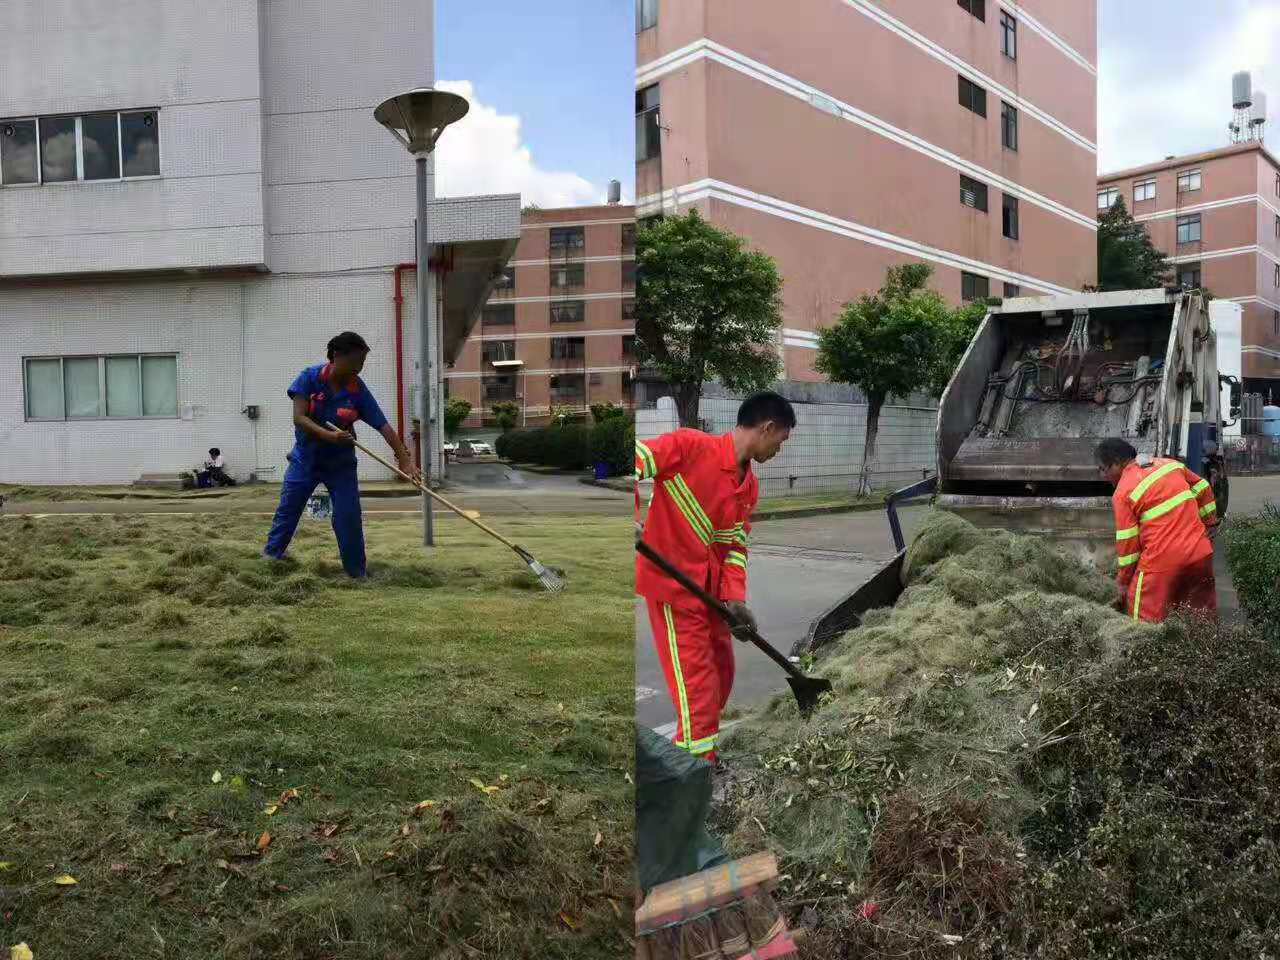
(1169, 93)
(484, 153)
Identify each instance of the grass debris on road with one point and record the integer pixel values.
(238, 758)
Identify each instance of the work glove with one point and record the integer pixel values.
(743, 622)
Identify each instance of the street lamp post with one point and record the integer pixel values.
(417, 119)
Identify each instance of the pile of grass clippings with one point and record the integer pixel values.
(1009, 768)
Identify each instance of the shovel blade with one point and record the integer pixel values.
(807, 691)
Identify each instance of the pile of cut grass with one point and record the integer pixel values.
(140, 656)
(1010, 768)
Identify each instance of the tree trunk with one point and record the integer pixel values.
(874, 403)
(687, 397)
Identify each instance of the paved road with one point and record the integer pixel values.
(800, 567)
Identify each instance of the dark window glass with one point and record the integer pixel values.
(571, 311)
(18, 152)
(1008, 36)
(973, 193)
(57, 149)
(100, 139)
(1012, 290)
(1189, 229)
(568, 238)
(140, 143)
(648, 123)
(974, 287)
(1008, 126)
(1009, 218)
(976, 7)
(501, 316)
(973, 97)
(646, 14)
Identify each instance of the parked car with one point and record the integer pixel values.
(474, 448)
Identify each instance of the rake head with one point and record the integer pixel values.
(551, 580)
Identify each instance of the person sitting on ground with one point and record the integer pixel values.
(215, 470)
(1166, 517)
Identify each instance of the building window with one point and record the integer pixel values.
(646, 15)
(629, 346)
(568, 240)
(1012, 290)
(628, 238)
(1278, 226)
(499, 387)
(629, 310)
(498, 350)
(506, 279)
(568, 388)
(1008, 126)
(571, 276)
(976, 7)
(1277, 275)
(1278, 184)
(130, 386)
(973, 193)
(974, 287)
(1275, 322)
(568, 348)
(1189, 276)
(1144, 190)
(628, 275)
(1008, 36)
(1107, 198)
(1009, 219)
(648, 123)
(973, 97)
(499, 316)
(572, 311)
(1189, 229)
(94, 146)
(1189, 181)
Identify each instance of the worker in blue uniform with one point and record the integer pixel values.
(331, 393)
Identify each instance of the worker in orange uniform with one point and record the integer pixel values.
(699, 519)
(1165, 521)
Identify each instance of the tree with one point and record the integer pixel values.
(505, 414)
(562, 415)
(456, 410)
(600, 412)
(706, 307)
(901, 339)
(1127, 260)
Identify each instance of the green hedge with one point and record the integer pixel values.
(574, 446)
(1253, 554)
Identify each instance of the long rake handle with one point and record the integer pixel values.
(429, 492)
(676, 574)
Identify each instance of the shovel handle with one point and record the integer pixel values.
(670, 569)
(464, 514)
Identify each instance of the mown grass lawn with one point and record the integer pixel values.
(238, 759)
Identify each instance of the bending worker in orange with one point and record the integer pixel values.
(699, 518)
(1165, 520)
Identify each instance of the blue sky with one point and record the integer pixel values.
(1165, 70)
(565, 69)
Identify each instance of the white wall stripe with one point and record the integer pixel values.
(476, 375)
(718, 53)
(561, 298)
(1263, 351)
(1198, 208)
(1219, 254)
(570, 332)
(718, 190)
(560, 260)
(1262, 300)
(1049, 35)
(572, 223)
(870, 10)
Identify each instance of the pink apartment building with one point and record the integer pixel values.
(843, 137)
(559, 329)
(1217, 216)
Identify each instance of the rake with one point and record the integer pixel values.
(551, 579)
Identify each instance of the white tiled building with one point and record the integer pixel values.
(194, 196)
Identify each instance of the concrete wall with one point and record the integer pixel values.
(197, 61)
(824, 453)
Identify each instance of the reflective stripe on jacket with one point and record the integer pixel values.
(1162, 511)
(699, 517)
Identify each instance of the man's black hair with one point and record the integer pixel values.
(215, 452)
(759, 407)
(346, 343)
(1113, 452)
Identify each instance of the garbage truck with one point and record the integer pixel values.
(1043, 380)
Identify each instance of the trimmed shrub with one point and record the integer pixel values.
(565, 447)
(613, 442)
(1253, 554)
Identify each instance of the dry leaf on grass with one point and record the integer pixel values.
(421, 808)
(481, 787)
(270, 810)
(330, 856)
(568, 921)
(65, 880)
(264, 841)
(20, 951)
(217, 776)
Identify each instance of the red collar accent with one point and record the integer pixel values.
(353, 385)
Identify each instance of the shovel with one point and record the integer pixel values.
(807, 689)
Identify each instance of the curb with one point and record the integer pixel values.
(605, 484)
(815, 511)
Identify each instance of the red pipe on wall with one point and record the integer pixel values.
(399, 301)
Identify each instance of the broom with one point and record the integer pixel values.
(550, 579)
